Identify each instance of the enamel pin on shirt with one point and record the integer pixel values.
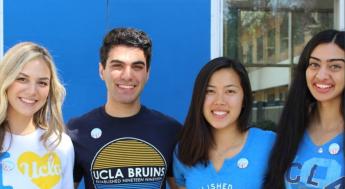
(242, 163)
(334, 148)
(96, 133)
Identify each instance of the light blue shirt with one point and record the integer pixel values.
(245, 170)
(317, 166)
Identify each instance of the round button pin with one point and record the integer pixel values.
(96, 133)
(242, 163)
(334, 148)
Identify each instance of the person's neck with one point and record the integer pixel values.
(20, 125)
(121, 110)
(329, 116)
(327, 123)
(228, 137)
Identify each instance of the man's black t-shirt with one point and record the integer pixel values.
(131, 152)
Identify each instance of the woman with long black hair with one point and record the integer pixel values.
(309, 150)
(217, 148)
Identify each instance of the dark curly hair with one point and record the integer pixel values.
(128, 37)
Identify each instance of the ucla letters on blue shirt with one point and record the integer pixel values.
(317, 167)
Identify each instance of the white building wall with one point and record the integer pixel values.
(216, 28)
(339, 12)
(264, 78)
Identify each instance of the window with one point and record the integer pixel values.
(271, 44)
(268, 36)
(259, 49)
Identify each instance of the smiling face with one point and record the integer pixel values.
(125, 75)
(30, 90)
(325, 73)
(224, 99)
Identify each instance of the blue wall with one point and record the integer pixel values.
(73, 31)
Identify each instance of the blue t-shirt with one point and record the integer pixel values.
(244, 170)
(131, 152)
(317, 166)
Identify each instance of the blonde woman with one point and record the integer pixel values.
(35, 152)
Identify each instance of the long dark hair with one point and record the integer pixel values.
(196, 138)
(296, 115)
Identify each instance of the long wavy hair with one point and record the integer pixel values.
(299, 107)
(49, 117)
(196, 138)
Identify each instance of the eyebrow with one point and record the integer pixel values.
(329, 60)
(116, 61)
(226, 86)
(41, 78)
(139, 62)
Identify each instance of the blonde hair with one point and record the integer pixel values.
(49, 117)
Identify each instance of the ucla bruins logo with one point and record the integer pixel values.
(128, 163)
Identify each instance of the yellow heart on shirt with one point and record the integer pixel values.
(44, 172)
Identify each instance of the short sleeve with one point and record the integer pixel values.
(67, 180)
(178, 171)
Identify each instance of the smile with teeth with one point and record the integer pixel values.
(323, 86)
(126, 86)
(219, 113)
(28, 101)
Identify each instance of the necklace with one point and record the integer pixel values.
(225, 151)
(222, 153)
(321, 135)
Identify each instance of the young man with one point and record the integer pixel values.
(124, 144)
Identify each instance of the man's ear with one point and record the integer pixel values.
(148, 75)
(100, 70)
